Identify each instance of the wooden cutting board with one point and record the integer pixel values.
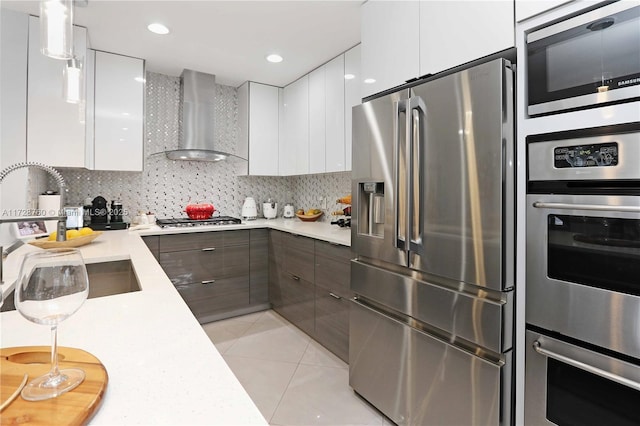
(75, 407)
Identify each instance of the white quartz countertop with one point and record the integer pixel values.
(162, 367)
(318, 230)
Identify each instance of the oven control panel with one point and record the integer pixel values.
(593, 155)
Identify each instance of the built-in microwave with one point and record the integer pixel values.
(586, 60)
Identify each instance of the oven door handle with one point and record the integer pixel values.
(537, 346)
(595, 207)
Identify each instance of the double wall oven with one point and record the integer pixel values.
(583, 277)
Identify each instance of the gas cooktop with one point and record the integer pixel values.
(187, 223)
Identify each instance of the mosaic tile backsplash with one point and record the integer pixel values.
(165, 187)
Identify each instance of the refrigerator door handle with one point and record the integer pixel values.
(417, 114)
(400, 180)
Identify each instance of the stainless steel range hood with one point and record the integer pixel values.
(197, 142)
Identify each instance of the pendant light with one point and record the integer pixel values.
(56, 28)
(72, 82)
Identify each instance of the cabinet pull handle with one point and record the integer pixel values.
(209, 249)
(208, 281)
(295, 277)
(335, 296)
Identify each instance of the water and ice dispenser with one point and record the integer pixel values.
(371, 209)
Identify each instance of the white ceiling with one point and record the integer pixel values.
(227, 38)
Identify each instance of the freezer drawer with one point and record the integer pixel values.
(479, 317)
(416, 379)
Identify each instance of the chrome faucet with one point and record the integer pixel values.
(61, 218)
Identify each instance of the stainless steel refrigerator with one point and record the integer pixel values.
(433, 233)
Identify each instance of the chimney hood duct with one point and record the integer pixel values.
(197, 96)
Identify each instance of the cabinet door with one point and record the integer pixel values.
(298, 303)
(276, 265)
(119, 112)
(453, 33)
(527, 8)
(332, 322)
(14, 32)
(259, 266)
(334, 113)
(296, 127)
(263, 130)
(352, 97)
(153, 242)
(299, 257)
(317, 120)
(333, 268)
(390, 44)
(193, 266)
(55, 128)
(221, 296)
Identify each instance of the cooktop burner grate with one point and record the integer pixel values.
(186, 223)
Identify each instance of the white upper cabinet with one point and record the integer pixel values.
(455, 32)
(527, 8)
(317, 120)
(118, 112)
(55, 128)
(334, 113)
(390, 44)
(296, 128)
(404, 40)
(259, 115)
(352, 97)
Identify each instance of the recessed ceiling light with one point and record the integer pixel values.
(369, 80)
(158, 28)
(274, 58)
(349, 76)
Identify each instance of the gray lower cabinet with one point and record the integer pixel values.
(291, 271)
(214, 272)
(153, 242)
(309, 286)
(332, 297)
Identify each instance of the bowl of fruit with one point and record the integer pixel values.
(310, 215)
(75, 238)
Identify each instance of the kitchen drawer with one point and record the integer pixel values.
(332, 322)
(299, 257)
(223, 295)
(333, 273)
(234, 238)
(297, 302)
(191, 241)
(191, 266)
(335, 251)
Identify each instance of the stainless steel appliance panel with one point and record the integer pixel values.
(416, 379)
(475, 317)
(568, 384)
(582, 310)
(379, 132)
(586, 60)
(467, 193)
(618, 160)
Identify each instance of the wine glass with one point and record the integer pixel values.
(52, 285)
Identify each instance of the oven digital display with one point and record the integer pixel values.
(596, 155)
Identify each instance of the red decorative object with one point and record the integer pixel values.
(200, 211)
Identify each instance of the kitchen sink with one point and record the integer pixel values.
(105, 279)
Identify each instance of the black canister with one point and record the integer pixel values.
(99, 210)
(116, 211)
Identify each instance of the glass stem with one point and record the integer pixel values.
(55, 372)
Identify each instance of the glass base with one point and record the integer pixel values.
(46, 387)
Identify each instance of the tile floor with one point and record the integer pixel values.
(292, 379)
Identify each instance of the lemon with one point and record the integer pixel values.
(86, 231)
(72, 233)
(53, 235)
